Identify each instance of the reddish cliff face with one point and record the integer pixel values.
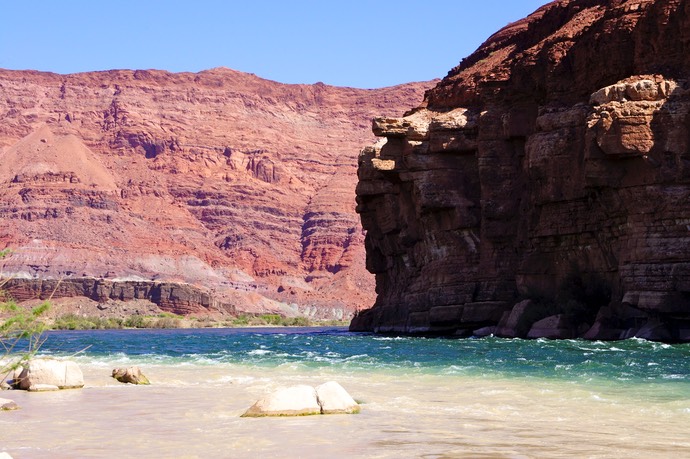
(212, 191)
(543, 187)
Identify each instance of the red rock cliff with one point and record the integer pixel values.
(543, 187)
(238, 187)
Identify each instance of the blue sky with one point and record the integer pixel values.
(356, 43)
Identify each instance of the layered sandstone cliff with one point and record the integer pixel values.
(215, 190)
(543, 187)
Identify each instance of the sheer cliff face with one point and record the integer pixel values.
(233, 185)
(543, 187)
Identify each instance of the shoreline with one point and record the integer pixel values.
(170, 321)
(403, 414)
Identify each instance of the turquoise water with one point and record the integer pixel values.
(630, 361)
(421, 398)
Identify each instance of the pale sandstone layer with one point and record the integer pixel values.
(215, 192)
(543, 187)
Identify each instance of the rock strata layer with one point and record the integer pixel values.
(176, 298)
(132, 183)
(543, 187)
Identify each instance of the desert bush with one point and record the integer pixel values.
(166, 322)
(137, 321)
(169, 315)
(270, 320)
(240, 321)
(297, 322)
(21, 331)
(76, 322)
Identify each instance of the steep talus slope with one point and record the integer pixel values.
(542, 188)
(210, 192)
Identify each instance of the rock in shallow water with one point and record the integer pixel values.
(290, 401)
(8, 405)
(60, 373)
(303, 400)
(131, 375)
(42, 388)
(333, 399)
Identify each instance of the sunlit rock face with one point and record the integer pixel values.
(542, 188)
(208, 192)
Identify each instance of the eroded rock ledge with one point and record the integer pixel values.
(543, 189)
(176, 298)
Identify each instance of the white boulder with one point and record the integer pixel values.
(302, 400)
(61, 373)
(334, 399)
(289, 401)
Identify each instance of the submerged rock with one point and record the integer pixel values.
(62, 374)
(8, 405)
(131, 375)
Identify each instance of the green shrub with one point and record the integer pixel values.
(270, 319)
(137, 321)
(297, 322)
(240, 321)
(76, 322)
(276, 320)
(169, 315)
(166, 322)
(20, 331)
(21, 335)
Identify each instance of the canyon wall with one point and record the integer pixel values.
(542, 189)
(234, 190)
